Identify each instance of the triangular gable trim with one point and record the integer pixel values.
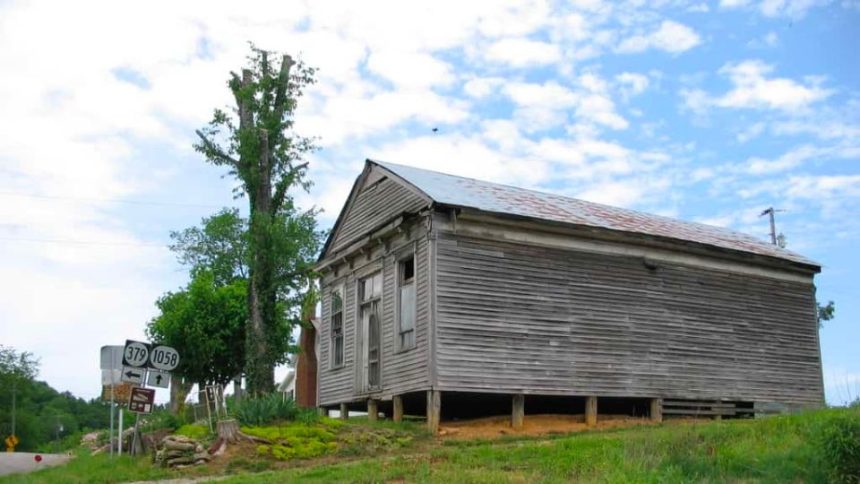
(369, 166)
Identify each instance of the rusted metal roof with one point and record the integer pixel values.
(502, 199)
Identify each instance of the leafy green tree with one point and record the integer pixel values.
(219, 245)
(205, 322)
(258, 145)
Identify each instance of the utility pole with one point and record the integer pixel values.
(770, 211)
(14, 402)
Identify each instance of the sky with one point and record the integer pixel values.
(703, 111)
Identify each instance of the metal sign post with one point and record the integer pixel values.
(119, 440)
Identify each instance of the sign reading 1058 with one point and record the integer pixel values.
(163, 358)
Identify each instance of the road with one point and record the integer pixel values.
(11, 462)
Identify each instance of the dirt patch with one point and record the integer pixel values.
(493, 427)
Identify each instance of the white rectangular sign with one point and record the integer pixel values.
(111, 357)
(158, 379)
(133, 375)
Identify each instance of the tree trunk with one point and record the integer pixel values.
(261, 294)
(228, 430)
(179, 389)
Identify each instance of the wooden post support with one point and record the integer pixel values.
(344, 411)
(397, 403)
(434, 406)
(591, 411)
(372, 410)
(518, 411)
(657, 410)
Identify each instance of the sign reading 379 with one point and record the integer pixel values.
(135, 353)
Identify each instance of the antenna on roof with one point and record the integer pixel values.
(774, 239)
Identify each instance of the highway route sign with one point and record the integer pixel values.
(141, 400)
(135, 353)
(158, 379)
(163, 358)
(133, 375)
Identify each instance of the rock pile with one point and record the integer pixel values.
(178, 451)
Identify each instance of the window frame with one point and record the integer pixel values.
(361, 302)
(398, 273)
(333, 364)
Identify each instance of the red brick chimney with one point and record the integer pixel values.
(306, 366)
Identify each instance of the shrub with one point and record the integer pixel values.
(840, 444)
(193, 431)
(267, 409)
(294, 441)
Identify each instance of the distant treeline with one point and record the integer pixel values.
(42, 413)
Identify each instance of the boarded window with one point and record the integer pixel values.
(370, 295)
(406, 303)
(336, 329)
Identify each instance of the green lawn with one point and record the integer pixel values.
(776, 449)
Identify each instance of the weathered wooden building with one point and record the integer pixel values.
(442, 292)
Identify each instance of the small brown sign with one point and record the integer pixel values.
(121, 392)
(141, 400)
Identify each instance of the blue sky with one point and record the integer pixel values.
(705, 111)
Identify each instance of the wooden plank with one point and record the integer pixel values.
(434, 407)
(372, 410)
(518, 405)
(397, 403)
(591, 411)
(657, 409)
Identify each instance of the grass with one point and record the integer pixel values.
(790, 448)
(779, 449)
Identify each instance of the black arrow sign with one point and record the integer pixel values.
(158, 379)
(131, 374)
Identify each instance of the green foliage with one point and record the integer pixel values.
(205, 322)
(260, 147)
(42, 411)
(295, 441)
(267, 409)
(826, 312)
(219, 245)
(194, 431)
(160, 419)
(840, 442)
(17, 365)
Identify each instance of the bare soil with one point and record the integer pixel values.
(494, 427)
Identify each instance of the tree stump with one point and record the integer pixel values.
(228, 431)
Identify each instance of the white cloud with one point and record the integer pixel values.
(751, 132)
(631, 83)
(789, 160)
(410, 69)
(777, 8)
(752, 89)
(520, 52)
(671, 37)
(479, 87)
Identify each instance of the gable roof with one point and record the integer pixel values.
(495, 198)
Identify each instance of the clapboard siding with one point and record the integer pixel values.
(374, 204)
(336, 384)
(402, 371)
(522, 318)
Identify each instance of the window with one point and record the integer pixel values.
(336, 329)
(369, 296)
(406, 302)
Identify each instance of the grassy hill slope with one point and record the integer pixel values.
(819, 446)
